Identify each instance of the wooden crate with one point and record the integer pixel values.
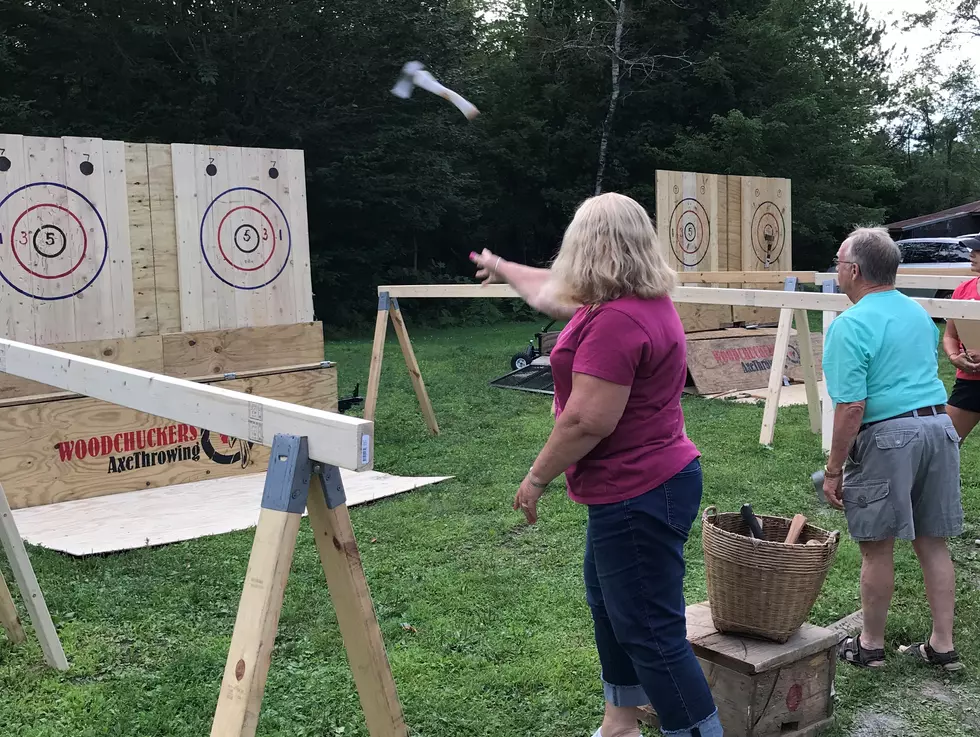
(72, 448)
(765, 689)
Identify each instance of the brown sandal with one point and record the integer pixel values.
(923, 651)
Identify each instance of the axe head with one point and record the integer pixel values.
(406, 80)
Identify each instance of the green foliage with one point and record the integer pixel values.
(402, 190)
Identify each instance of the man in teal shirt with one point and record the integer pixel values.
(894, 463)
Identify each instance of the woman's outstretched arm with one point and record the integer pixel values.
(533, 284)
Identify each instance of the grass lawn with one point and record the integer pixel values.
(484, 617)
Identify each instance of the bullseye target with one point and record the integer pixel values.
(245, 238)
(689, 232)
(768, 233)
(57, 242)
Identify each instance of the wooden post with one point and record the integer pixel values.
(783, 330)
(13, 546)
(341, 561)
(8, 615)
(290, 479)
(809, 368)
(413, 367)
(827, 406)
(377, 354)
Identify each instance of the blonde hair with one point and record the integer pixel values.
(611, 250)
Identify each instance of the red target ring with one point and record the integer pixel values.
(272, 232)
(25, 267)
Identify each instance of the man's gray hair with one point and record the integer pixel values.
(874, 251)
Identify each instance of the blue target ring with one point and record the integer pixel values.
(105, 235)
(289, 239)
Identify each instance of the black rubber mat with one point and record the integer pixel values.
(532, 378)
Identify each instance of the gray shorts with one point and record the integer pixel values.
(902, 480)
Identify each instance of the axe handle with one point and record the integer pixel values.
(795, 528)
(427, 82)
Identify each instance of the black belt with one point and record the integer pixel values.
(931, 411)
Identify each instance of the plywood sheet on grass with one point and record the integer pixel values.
(170, 514)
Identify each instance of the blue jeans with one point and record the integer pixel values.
(634, 584)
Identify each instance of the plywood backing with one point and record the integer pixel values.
(79, 448)
(192, 355)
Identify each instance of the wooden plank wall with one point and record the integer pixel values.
(79, 448)
(108, 239)
(190, 355)
(712, 222)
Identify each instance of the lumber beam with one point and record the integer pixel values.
(942, 279)
(821, 301)
(334, 438)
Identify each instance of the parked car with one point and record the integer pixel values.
(934, 253)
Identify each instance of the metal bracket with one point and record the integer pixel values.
(332, 483)
(831, 287)
(394, 304)
(287, 481)
(789, 285)
(383, 300)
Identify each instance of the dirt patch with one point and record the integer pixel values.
(936, 691)
(869, 724)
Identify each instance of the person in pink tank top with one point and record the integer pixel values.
(963, 405)
(619, 367)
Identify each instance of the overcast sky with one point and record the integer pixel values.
(913, 42)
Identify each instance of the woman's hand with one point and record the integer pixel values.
(965, 361)
(487, 263)
(527, 499)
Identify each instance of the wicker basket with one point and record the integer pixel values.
(760, 588)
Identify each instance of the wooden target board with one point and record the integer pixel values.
(766, 238)
(717, 222)
(690, 232)
(242, 242)
(65, 268)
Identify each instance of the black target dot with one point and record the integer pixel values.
(50, 241)
(211, 170)
(274, 173)
(86, 168)
(4, 163)
(246, 238)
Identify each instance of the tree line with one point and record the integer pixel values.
(576, 96)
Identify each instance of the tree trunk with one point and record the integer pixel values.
(613, 98)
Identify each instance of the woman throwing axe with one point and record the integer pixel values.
(619, 368)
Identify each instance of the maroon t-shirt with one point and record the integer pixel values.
(638, 343)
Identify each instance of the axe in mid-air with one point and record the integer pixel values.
(414, 75)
